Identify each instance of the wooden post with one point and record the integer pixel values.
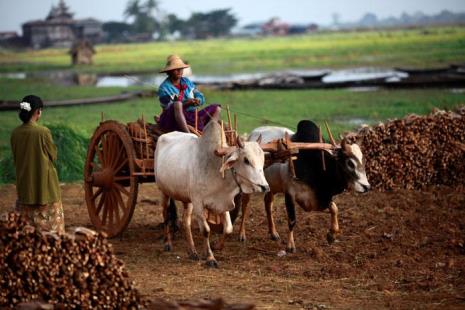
(322, 151)
(330, 135)
(222, 143)
(235, 124)
(196, 119)
(146, 141)
(229, 123)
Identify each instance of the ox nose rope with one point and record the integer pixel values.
(235, 175)
(233, 171)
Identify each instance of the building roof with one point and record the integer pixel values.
(60, 12)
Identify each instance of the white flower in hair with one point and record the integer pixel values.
(25, 106)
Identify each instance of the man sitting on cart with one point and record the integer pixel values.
(179, 99)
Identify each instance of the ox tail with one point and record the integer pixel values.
(172, 215)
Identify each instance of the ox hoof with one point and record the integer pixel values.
(290, 250)
(242, 238)
(194, 256)
(168, 247)
(275, 237)
(212, 263)
(330, 237)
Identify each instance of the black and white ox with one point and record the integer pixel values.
(191, 169)
(312, 187)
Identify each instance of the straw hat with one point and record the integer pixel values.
(174, 62)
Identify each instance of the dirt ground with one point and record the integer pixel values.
(400, 249)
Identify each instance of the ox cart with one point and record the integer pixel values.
(121, 156)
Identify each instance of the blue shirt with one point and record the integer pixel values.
(167, 93)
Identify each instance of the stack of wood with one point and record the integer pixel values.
(68, 271)
(416, 151)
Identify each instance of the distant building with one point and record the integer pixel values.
(8, 35)
(250, 30)
(59, 29)
(275, 27)
(10, 39)
(302, 29)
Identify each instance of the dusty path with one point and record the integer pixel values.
(401, 249)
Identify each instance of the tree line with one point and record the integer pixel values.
(147, 22)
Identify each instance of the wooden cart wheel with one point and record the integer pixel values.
(109, 182)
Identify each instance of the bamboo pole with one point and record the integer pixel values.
(331, 138)
(222, 144)
(229, 123)
(273, 146)
(146, 141)
(235, 124)
(322, 151)
(196, 119)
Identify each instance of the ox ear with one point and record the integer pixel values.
(229, 162)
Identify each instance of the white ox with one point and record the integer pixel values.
(187, 169)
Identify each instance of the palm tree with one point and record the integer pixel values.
(133, 9)
(151, 5)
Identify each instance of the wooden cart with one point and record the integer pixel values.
(120, 157)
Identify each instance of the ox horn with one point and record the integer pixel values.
(259, 139)
(346, 147)
(223, 151)
(239, 142)
(331, 138)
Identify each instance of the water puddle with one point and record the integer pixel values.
(14, 75)
(68, 78)
(355, 122)
(363, 89)
(360, 74)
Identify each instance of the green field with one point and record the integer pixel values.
(429, 47)
(344, 109)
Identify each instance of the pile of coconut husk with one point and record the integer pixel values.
(41, 270)
(416, 151)
(66, 271)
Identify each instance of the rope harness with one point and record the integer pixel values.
(235, 175)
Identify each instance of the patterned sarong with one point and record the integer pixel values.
(168, 121)
(44, 217)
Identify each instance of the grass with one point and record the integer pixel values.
(13, 89)
(72, 149)
(342, 108)
(425, 47)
